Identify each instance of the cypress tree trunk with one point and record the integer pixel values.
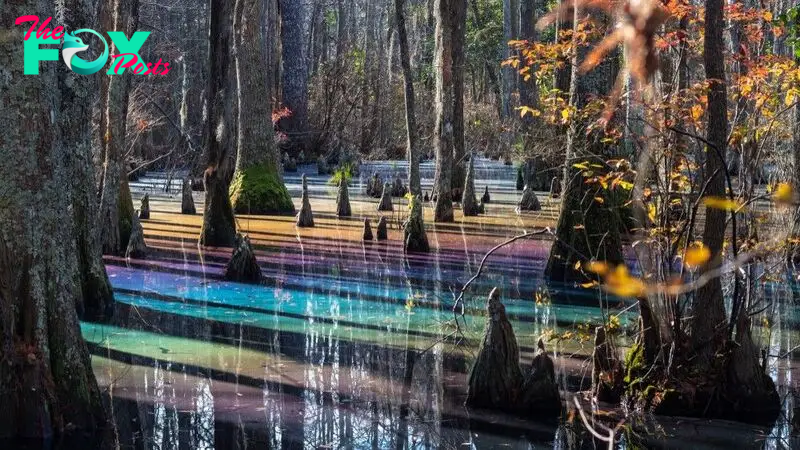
(412, 139)
(46, 379)
(257, 187)
(75, 123)
(459, 26)
(708, 315)
(219, 226)
(295, 71)
(443, 132)
(586, 228)
(115, 224)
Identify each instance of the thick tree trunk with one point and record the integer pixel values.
(443, 132)
(257, 187)
(294, 94)
(76, 126)
(412, 138)
(115, 224)
(507, 72)
(219, 226)
(586, 229)
(708, 315)
(46, 379)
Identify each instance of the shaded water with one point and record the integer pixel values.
(351, 345)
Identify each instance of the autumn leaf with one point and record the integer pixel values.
(722, 203)
(696, 255)
(597, 267)
(620, 282)
(783, 194)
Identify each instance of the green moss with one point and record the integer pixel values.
(634, 364)
(125, 215)
(259, 190)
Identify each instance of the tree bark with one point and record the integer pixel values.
(257, 186)
(443, 132)
(46, 379)
(459, 27)
(115, 225)
(412, 138)
(586, 229)
(294, 94)
(219, 226)
(97, 300)
(708, 315)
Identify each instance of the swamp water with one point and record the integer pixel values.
(351, 345)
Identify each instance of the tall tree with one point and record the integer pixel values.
(219, 226)
(587, 228)
(528, 92)
(459, 27)
(116, 205)
(46, 378)
(412, 139)
(257, 187)
(708, 316)
(443, 130)
(294, 92)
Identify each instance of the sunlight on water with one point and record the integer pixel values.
(317, 356)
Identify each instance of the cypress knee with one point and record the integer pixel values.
(529, 202)
(144, 210)
(386, 199)
(414, 237)
(305, 218)
(187, 201)
(495, 378)
(136, 246)
(243, 266)
(367, 235)
(343, 200)
(382, 233)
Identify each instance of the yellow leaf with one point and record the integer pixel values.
(597, 267)
(768, 16)
(565, 114)
(721, 203)
(696, 255)
(590, 284)
(697, 112)
(651, 212)
(599, 200)
(620, 282)
(783, 193)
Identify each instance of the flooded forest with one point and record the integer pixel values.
(399, 224)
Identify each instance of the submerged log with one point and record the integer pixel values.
(243, 266)
(136, 245)
(305, 218)
(529, 201)
(382, 233)
(343, 200)
(540, 396)
(469, 204)
(486, 198)
(495, 379)
(187, 201)
(414, 237)
(607, 373)
(144, 209)
(367, 235)
(386, 199)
